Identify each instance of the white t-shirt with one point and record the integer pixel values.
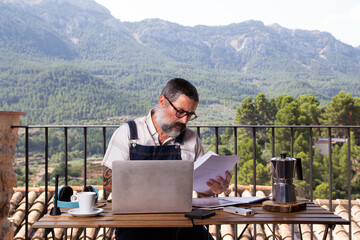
(119, 145)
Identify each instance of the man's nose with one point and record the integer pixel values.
(184, 119)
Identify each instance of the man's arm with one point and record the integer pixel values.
(107, 179)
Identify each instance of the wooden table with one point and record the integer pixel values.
(314, 214)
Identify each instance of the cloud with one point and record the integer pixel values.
(344, 26)
(350, 17)
(354, 14)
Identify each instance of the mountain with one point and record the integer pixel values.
(40, 38)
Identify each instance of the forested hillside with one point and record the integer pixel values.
(70, 60)
(67, 93)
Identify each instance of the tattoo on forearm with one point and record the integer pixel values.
(107, 176)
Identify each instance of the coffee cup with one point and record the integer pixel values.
(86, 201)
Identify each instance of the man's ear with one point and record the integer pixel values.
(162, 101)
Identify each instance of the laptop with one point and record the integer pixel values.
(152, 186)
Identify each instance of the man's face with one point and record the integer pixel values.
(166, 115)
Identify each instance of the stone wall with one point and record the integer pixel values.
(8, 138)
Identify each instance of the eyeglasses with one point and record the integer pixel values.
(182, 113)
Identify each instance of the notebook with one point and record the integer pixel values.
(152, 186)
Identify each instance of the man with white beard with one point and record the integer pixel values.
(160, 135)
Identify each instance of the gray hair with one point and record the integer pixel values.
(178, 86)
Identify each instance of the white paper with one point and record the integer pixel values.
(209, 167)
(224, 201)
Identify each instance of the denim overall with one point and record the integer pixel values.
(163, 152)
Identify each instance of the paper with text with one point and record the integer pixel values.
(211, 165)
(225, 201)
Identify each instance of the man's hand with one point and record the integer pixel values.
(219, 186)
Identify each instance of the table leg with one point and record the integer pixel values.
(207, 231)
(53, 233)
(47, 231)
(329, 226)
(273, 232)
(300, 232)
(218, 234)
(242, 232)
(177, 231)
(326, 232)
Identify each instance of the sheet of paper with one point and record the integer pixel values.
(210, 166)
(224, 201)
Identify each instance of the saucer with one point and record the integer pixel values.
(75, 212)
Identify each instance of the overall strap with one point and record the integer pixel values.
(134, 135)
(133, 130)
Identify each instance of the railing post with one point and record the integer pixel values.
(85, 155)
(330, 169)
(104, 191)
(104, 151)
(349, 177)
(66, 155)
(272, 180)
(235, 175)
(254, 168)
(85, 163)
(311, 162)
(46, 166)
(216, 140)
(217, 152)
(292, 141)
(254, 160)
(273, 142)
(236, 165)
(27, 182)
(311, 175)
(292, 155)
(330, 176)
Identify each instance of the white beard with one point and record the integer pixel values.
(166, 126)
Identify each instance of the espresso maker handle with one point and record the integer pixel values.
(299, 169)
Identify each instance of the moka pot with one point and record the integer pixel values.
(283, 171)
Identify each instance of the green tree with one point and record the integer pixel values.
(247, 113)
(245, 164)
(343, 109)
(289, 114)
(310, 105)
(263, 108)
(59, 169)
(246, 173)
(245, 149)
(322, 191)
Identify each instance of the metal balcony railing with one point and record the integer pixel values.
(253, 129)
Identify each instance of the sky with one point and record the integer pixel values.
(341, 18)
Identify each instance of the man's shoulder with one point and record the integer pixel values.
(139, 120)
(125, 126)
(189, 131)
(190, 134)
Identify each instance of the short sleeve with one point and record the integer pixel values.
(118, 148)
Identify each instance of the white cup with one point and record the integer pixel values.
(86, 201)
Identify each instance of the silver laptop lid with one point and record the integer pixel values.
(152, 186)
